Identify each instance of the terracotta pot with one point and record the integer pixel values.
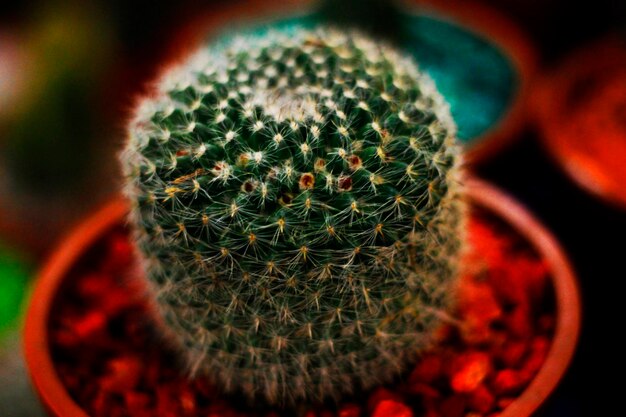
(478, 25)
(580, 109)
(483, 196)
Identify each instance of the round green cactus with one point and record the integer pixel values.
(296, 204)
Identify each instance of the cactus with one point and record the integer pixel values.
(297, 209)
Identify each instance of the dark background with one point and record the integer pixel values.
(592, 231)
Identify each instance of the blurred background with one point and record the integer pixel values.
(70, 72)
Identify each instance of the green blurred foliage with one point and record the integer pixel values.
(14, 274)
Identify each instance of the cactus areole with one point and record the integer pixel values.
(297, 210)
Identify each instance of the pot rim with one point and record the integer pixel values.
(57, 400)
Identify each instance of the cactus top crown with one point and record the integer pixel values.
(296, 206)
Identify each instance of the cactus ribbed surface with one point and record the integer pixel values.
(296, 203)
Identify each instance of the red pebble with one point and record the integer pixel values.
(122, 375)
(468, 371)
(518, 321)
(546, 323)
(428, 369)
(536, 277)
(453, 406)
(504, 402)
(187, 401)
(507, 381)
(481, 399)
(120, 253)
(65, 338)
(391, 408)
(136, 401)
(519, 280)
(89, 325)
(349, 410)
(167, 402)
(512, 353)
(381, 394)
(93, 285)
(102, 404)
(479, 308)
(424, 390)
(114, 306)
(539, 349)
(486, 246)
(477, 299)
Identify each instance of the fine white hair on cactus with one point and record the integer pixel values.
(297, 207)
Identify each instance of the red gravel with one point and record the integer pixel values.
(108, 357)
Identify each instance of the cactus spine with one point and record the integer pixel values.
(297, 208)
